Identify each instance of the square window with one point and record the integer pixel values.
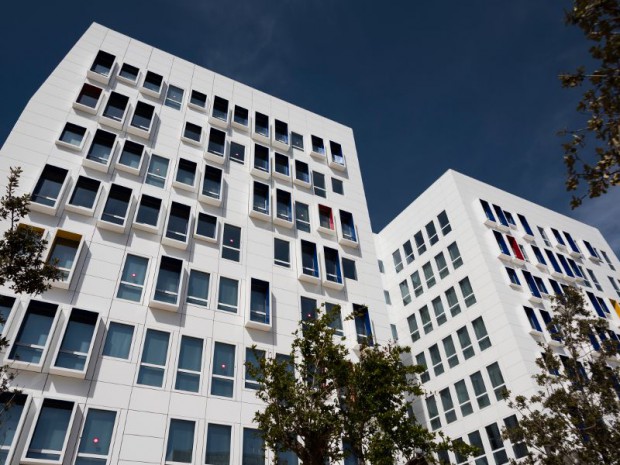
(147, 214)
(192, 133)
(228, 295)
(186, 174)
(297, 141)
(152, 83)
(72, 136)
(241, 117)
(101, 150)
(348, 269)
(130, 159)
(88, 99)
(231, 243)
(337, 186)
(223, 376)
(132, 278)
(237, 152)
(206, 227)
(101, 69)
(157, 171)
(129, 73)
(84, 196)
(220, 109)
(114, 214)
(198, 288)
(282, 252)
(174, 97)
(118, 340)
(198, 100)
(115, 109)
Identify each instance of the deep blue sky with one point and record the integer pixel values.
(426, 86)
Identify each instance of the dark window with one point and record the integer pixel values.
(348, 269)
(85, 192)
(337, 186)
(72, 134)
(241, 115)
(281, 130)
(261, 158)
(281, 252)
(117, 104)
(231, 242)
(297, 140)
(89, 96)
(302, 172)
(318, 181)
(117, 205)
(186, 172)
(153, 81)
(193, 132)
(282, 164)
(212, 185)
(48, 187)
(198, 98)
(237, 152)
(148, 210)
(102, 147)
(261, 124)
(220, 108)
(103, 63)
(317, 145)
(206, 225)
(143, 116)
(129, 72)
(131, 156)
(217, 142)
(178, 222)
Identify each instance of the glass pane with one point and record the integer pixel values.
(218, 444)
(180, 441)
(224, 359)
(97, 433)
(9, 420)
(151, 376)
(253, 452)
(34, 331)
(118, 340)
(157, 172)
(228, 295)
(155, 347)
(187, 382)
(49, 434)
(190, 357)
(198, 288)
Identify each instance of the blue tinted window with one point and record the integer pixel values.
(118, 340)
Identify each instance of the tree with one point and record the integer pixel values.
(574, 418)
(22, 267)
(599, 168)
(21, 247)
(317, 398)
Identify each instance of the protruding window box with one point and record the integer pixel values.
(282, 167)
(347, 234)
(259, 310)
(216, 147)
(575, 254)
(326, 220)
(283, 214)
(89, 99)
(302, 174)
(260, 163)
(557, 274)
(261, 128)
(538, 335)
(518, 261)
(131, 158)
(504, 257)
(152, 85)
(116, 209)
(128, 74)
(318, 147)
(554, 343)
(142, 120)
(187, 175)
(48, 438)
(192, 134)
(32, 342)
(542, 267)
(48, 191)
(14, 415)
(85, 196)
(148, 214)
(167, 289)
(206, 228)
(72, 137)
(101, 151)
(211, 192)
(535, 299)
(260, 208)
(102, 68)
(309, 271)
(281, 138)
(516, 287)
(197, 101)
(337, 159)
(76, 347)
(115, 110)
(219, 112)
(332, 277)
(241, 118)
(528, 237)
(65, 252)
(570, 279)
(177, 226)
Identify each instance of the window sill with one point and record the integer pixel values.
(78, 374)
(220, 123)
(535, 300)
(215, 157)
(333, 284)
(131, 82)
(302, 183)
(184, 186)
(309, 278)
(284, 177)
(86, 109)
(193, 142)
(542, 267)
(280, 145)
(164, 305)
(149, 228)
(103, 78)
(324, 230)
(129, 169)
(260, 215)
(95, 165)
(528, 237)
(216, 202)
(72, 147)
(574, 254)
(348, 243)
(136, 131)
(518, 261)
(261, 138)
(283, 222)
(117, 228)
(156, 94)
(181, 245)
(113, 123)
(506, 258)
(260, 173)
(257, 325)
(34, 367)
(196, 107)
(338, 166)
(319, 155)
(47, 209)
(82, 210)
(516, 287)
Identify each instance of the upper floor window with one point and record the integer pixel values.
(96, 437)
(174, 97)
(431, 232)
(157, 171)
(154, 357)
(48, 442)
(231, 242)
(223, 375)
(318, 147)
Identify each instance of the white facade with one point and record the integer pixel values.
(171, 195)
(113, 210)
(491, 310)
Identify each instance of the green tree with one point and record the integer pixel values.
(22, 267)
(574, 418)
(318, 397)
(592, 153)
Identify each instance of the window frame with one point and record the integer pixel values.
(179, 345)
(82, 210)
(212, 153)
(163, 368)
(95, 75)
(249, 321)
(155, 302)
(167, 439)
(88, 89)
(76, 129)
(211, 172)
(222, 107)
(221, 376)
(205, 303)
(151, 78)
(127, 168)
(225, 304)
(65, 282)
(111, 121)
(151, 228)
(141, 286)
(183, 239)
(54, 171)
(19, 428)
(106, 457)
(142, 108)
(70, 372)
(265, 198)
(131, 345)
(109, 225)
(190, 129)
(197, 235)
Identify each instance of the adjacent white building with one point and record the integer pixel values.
(469, 271)
(194, 217)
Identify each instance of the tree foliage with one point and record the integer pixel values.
(317, 398)
(598, 168)
(22, 266)
(574, 418)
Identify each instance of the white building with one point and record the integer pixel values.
(469, 271)
(194, 217)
